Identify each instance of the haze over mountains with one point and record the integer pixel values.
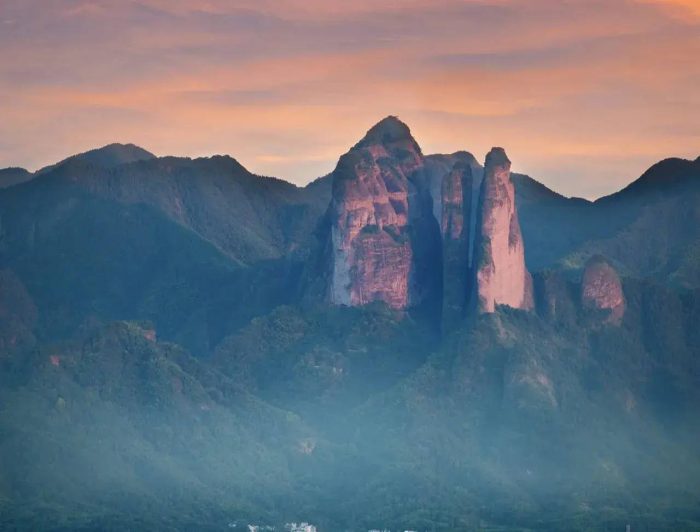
(413, 341)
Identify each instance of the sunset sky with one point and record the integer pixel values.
(584, 95)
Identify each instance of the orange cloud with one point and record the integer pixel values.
(584, 94)
(682, 7)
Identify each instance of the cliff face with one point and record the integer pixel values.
(453, 187)
(455, 227)
(438, 168)
(405, 228)
(601, 289)
(501, 276)
(372, 255)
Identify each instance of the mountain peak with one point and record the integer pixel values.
(501, 275)
(116, 154)
(13, 176)
(108, 157)
(497, 157)
(664, 175)
(372, 255)
(386, 131)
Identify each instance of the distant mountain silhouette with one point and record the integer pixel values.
(109, 156)
(13, 176)
(669, 175)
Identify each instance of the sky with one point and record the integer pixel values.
(584, 95)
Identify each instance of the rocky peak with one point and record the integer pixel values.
(387, 130)
(601, 289)
(501, 276)
(497, 159)
(404, 227)
(372, 256)
(390, 138)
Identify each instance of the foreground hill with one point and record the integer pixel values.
(357, 418)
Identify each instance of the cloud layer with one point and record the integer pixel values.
(584, 94)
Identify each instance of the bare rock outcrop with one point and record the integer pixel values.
(601, 289)
(408, 229)
(501, 275)
(372, 255)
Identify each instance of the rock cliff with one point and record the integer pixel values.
(601, 289)
(501, 276)
(372, 255)
(455, 226)
(405, 228)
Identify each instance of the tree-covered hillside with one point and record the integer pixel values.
(169, 360)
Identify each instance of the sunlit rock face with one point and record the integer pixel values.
(405, 228)
(372, 255)
(501, 276)
(601, 289)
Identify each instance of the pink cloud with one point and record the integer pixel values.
(287, 86)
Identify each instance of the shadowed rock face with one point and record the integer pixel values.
(438, 168)
(455, 226)
(601, 289)
(555, 298)
(501, 276)
(372, 255)
(454, 216)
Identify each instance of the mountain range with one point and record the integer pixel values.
(413, 341)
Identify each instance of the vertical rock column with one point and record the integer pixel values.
(456, 194)
(501, 277)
